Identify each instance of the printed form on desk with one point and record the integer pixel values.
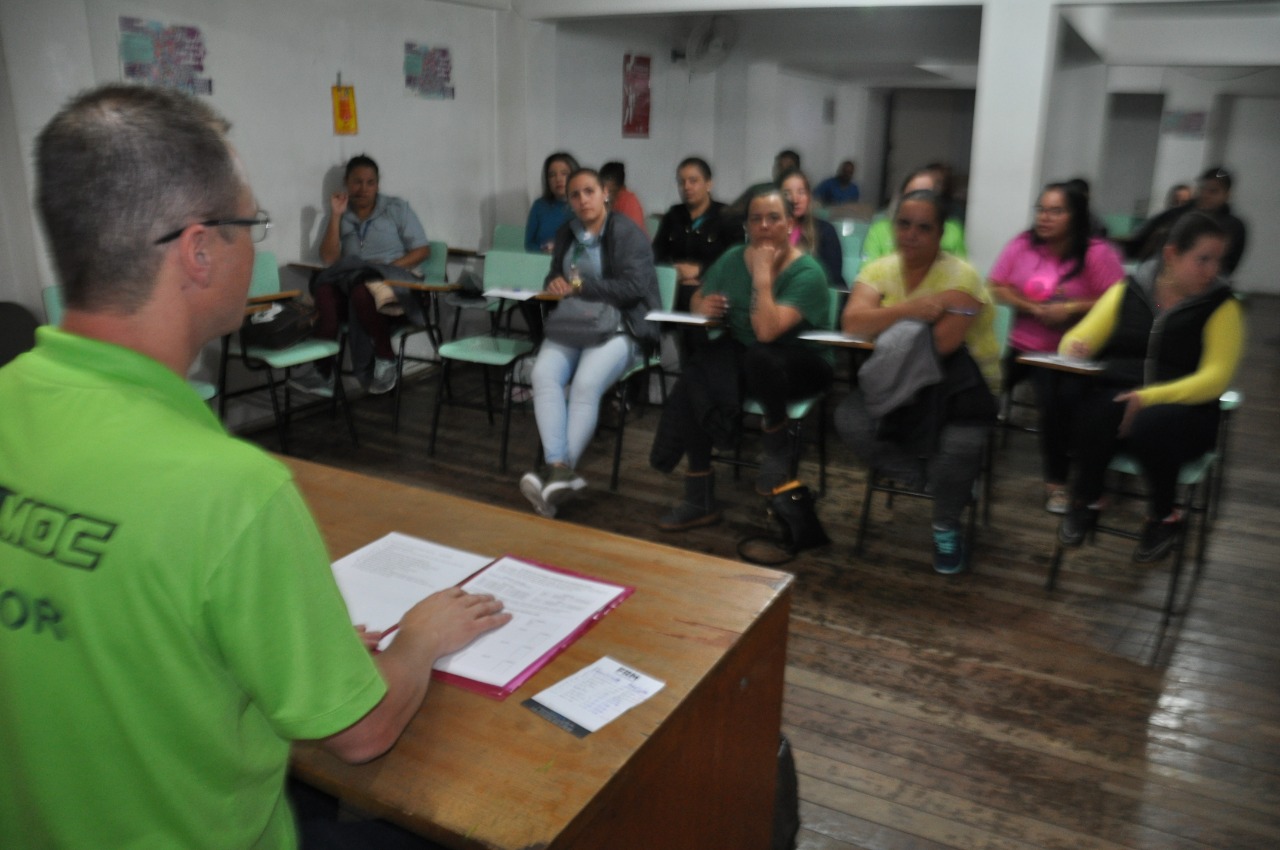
(593, 696)
(550, 607)
(383, 580)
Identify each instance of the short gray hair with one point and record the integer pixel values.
(118, 167)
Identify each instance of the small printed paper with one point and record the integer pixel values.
(594, 696)
(510, 294)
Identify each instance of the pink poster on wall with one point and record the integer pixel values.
(635, 96)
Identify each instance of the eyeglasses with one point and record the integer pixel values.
(767, 218)
(258, 226)
(1053, 212)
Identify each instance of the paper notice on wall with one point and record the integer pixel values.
(163, 55)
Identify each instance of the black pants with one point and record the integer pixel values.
(1161, 438)
(705, 404)
(1057, 396)
(320, 829)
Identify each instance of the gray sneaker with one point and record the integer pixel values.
(312, 382)
(384, 377)
(531, 485)
(560, 483)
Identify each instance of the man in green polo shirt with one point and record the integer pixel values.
(168, 619)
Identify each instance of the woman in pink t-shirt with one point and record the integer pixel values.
(1051, 275)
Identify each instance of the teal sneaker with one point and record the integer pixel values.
(948, 551)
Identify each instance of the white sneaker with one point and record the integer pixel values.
(312, 382)
(560, 483)
(531, 486)
(384, 377)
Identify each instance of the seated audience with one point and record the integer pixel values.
(1051, 275)
(1171, 338)
(813, 235)
(879, 240)
(613, 176)
(159, 663)
(938, 312)
(601, 258)
(369, 238)
(765, 294)
(1213, 193)
(550, 211)
(1097, 227)
(785, 160)
(1179, 194)
(840, 188)
(694, 233)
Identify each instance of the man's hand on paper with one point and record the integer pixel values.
(451, 619)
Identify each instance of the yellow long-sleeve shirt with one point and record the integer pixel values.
(1223, 340)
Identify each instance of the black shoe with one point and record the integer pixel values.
(1076, 525)
(1157, 541)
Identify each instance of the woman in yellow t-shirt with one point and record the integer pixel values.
(921, 282)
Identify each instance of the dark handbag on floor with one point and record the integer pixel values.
(792, 507)
(579, 323)
(282, 324)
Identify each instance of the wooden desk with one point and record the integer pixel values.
(1058, 363)
(693, 767)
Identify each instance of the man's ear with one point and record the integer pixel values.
(194, 255)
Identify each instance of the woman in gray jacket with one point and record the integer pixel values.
(599, 257)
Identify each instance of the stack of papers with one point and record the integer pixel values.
(550, 607)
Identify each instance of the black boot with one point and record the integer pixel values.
(775, 461)
(699, 506)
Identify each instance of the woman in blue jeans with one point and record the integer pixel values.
(599, 257)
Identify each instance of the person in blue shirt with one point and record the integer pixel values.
(552, 209)
(839, 189)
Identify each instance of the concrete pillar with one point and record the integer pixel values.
(1015, 60)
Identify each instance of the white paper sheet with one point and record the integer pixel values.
(597, 694)
(831, 336)
(546, 607)
(678, 318)
(510, 294)
(383, 580)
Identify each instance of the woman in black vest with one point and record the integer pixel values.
(1170, 337)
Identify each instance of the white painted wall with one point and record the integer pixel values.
(272, 66)
(1075, 123)
(1251, 152)
(588, 83)
(1129, 152)
(929, 125)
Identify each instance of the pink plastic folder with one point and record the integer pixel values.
(551, 608)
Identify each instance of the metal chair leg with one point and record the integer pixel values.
(435, 414)
(866, 512)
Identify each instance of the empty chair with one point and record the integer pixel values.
(496, 349)
(434, 270)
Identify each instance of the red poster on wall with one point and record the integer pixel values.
(635, 96)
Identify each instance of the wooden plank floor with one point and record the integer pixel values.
(975, 711)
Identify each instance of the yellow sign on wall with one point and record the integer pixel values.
(344, 111)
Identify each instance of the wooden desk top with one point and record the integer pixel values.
(1058, 363)
(475, 772)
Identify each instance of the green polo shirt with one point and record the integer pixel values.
(168, 618)
(802, 285)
